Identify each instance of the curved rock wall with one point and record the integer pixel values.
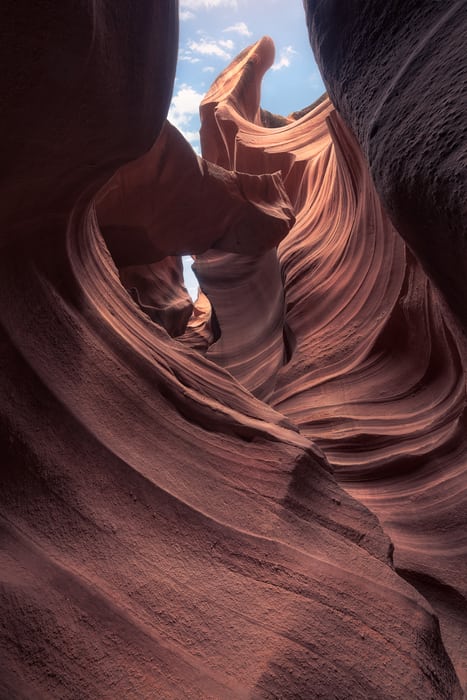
(377, 373)
(165, 533)
(397, 74)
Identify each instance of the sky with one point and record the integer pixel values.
(212, 33)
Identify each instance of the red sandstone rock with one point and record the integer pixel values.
(202, 329)
(397, 72)
(247, 295)
(377, 373)
(233, 211)
(164, 533)
(159, 290)
(85, 88)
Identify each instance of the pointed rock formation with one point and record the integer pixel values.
(164, 532)
(377, 373)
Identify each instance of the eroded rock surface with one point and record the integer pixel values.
(164, 532)
(216, 208)
(397, 73)
(377, 373)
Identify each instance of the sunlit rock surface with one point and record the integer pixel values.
(397, 73)
(377, 373)
(165, 533)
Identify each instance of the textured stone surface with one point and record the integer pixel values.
(397, 73)
(164, 533)
(216, 208)
(376, 369)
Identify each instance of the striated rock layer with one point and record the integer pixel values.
(397, 73)
(164, 532)
(377, 373)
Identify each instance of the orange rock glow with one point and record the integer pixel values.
(257, 495)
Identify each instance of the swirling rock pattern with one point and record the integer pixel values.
(159, 290)
(164, 533)
(217, 208)
(248, 293)
(377, 373)
(397, 73)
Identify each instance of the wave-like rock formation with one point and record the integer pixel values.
(165, 533)
(397, 74)
(248, 293)
(377, 373)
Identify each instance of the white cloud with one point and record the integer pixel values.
(184, 106)
(184, 110)
(208, 69)
(193, 139)
(207, 4)
(186, 14)
(191, 135)
(240, 28)
(184, 55)
(212, 48)
(285, 58)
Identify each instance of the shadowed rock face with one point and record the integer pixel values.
(397, 74)
(247, 214)
(164, 532)
(86, 87)
(376, 374)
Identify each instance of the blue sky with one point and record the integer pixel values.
(213, 32)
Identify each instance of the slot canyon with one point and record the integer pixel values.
(261, 493)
